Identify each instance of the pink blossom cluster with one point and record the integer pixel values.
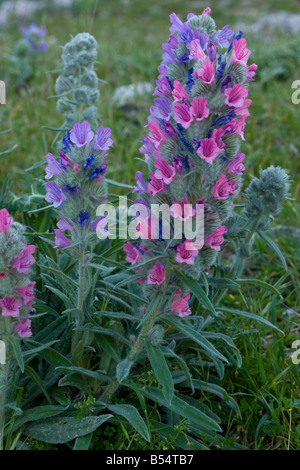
(17, 293)
(192, 151)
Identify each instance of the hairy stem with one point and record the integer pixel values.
(3, 388)
(77, 347)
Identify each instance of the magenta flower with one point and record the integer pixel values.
(157, 274)
(182, 209)
(27, 293)
(251, 72)
(102, 140)
(235, 166)
(199, 109)
(55, 194)
(81, 134)
(240, 53)
(185, 254)
(157, 136)
(133, 255)
(206, 73)
(25, 260)
(61, 241)
(223, 188)
(235, 96)
(178, 92)
(243, 110)
(156, 185)
(5, 221)
(208, 150)
(64, 160)
(196, 51)
(215, 239)
(53, 168)
(24, 328)
(164, 171)
(183, 115)
(10, 306)
(180, 304)
(163, 87)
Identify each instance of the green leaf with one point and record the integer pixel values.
(161, 370)
(197, 290)
(260, 283)
(37, 413)
(153, 306)
(18, 353)
(62, 430)
(183, 409)
(86, 372)
(83, 442)
(36, 379)
(252, 316)
(273, 247)
(183, 327)
(123, 369)
(131, 414)
(178, 439)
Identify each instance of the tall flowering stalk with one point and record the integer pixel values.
(194, 160)
(76, 188)
(77, 86)
(16, 299)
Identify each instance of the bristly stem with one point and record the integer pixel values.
(138, 345)
(3, 388)
(77, 349)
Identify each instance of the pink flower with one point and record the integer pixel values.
(208, 150)
(133, 255)
(179, 92)
(199, 109)
(81, 134)
(182, 209)
(223, 188)
(76, 167)
(24, 328)
(27, 293)
(157, 136)
(251, 72)
(5, 221)
(53, 168)
(180, 305)
(10, 306)
(206, 12)
(243, 110)
(24, 261)
(236, 167)
(64, 160)
(100, 226)
(240, 53)
(206, 73)
(235, 96)
(157, 274)
(61, 241)
(164, 171)
(183, 115)
(196, 51)
(177, 165)
(156, 185)
(217, 136)
(185, 254)
(215, 239)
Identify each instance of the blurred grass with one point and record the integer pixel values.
(130, 34)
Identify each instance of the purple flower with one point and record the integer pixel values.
(64, 161)
(223, 36)
(162, 108)
(83, 218)
(102, 140)
(61, 240)
(141, 183)
(81, 134)
(176, 24)
(53, 168)
(55, 194)
(203, 38)
(64, 225)
(186, 34)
